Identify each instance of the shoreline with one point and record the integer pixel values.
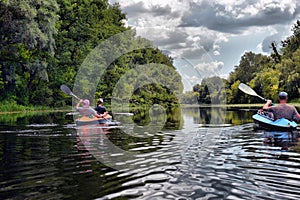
(33, 111)
(30, 110)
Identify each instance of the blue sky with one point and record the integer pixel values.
(208, 37)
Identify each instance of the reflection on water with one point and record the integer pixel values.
(220, 115)
(200, 153)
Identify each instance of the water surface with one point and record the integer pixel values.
(200, 153)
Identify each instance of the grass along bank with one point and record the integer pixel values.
(7, 107)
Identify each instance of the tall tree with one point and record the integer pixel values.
(83, 24)
(250, 63)
(211, 90)
(292, 43)
(26, 44)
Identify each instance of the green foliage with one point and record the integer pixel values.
(211, 90)
(148, 84)
(13, 106)
(267, 81)
(290, 74)
(190, 97)
(233, 92)
(249, 65)
(82, 26)
(26, 44)
(292, 43)
(44, 42)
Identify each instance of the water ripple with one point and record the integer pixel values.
(239, 167)
(206, 162)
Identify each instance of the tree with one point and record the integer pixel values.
(246, 72)
(268, 81)
(290, 74)
(250, 64)
(44, 42)
(190, 97)
(292, 43)
(211, 90)
(276, 56)
(82, 26)
(26, 44)
(233, 93)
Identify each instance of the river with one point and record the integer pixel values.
(197, 153)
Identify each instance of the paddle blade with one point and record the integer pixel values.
(126, 114)
(246, 89)
(66, 89)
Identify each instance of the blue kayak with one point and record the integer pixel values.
(263, 121)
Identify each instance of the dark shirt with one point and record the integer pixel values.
(284, 111)
(100, 110)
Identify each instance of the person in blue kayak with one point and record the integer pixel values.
(283, 110)
(86, 110)
(101, 110)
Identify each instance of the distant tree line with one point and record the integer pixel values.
(267, 75)
(44, 42)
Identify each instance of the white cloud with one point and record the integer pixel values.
(231, 17)
(209, 69)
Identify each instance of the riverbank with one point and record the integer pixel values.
(13, 108)
(255, 105)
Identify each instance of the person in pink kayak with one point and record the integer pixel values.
(101, 110)
(86, 110)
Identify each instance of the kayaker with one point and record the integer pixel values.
(101, 110)
(86, 110)
(283, 110)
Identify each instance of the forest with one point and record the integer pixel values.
(44, 42)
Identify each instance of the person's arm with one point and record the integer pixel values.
(267, 105)
(296, 115)
(95, 113)
(78, 104)
(105, 112)
(98, 116)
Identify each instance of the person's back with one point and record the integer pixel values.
(282, 110)
(86, 110)
(101, 110)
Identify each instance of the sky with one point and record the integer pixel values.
(208, 37)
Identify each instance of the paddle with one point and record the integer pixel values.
(126, 114)
(67, 90)
(248, 90)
